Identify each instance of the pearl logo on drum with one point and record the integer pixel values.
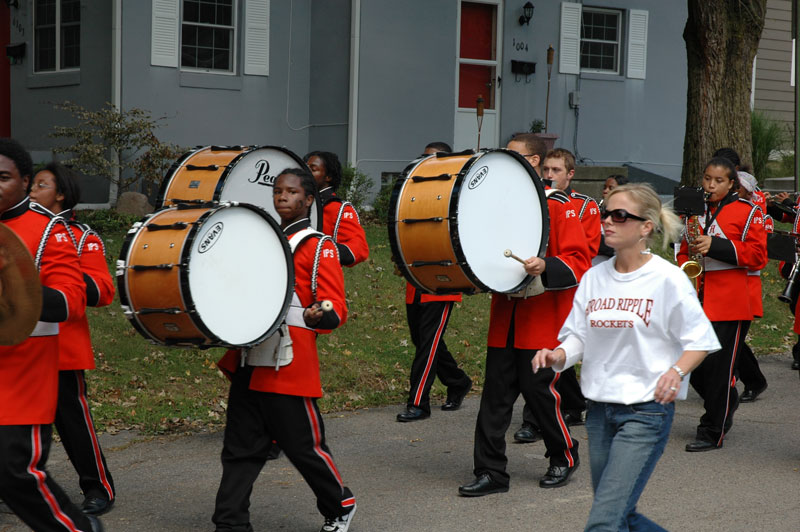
(210, 237)
(478, 178)
(262, 176)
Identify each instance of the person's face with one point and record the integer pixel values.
(522, 149)
(290, 199)
(13, 187)
(430, 151)
(621, 235)
(610, 185)
(555, 170)
(45, 192)
(716, 182)
(744, 193)
(318, 170)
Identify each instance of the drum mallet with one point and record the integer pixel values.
(326, 305)
(507, 253)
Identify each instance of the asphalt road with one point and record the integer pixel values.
(405, 476)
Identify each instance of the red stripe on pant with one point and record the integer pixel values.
(317, 433)
(561, 423)
(87, 419)
(41, 476)
(431, 356)
(731, 380)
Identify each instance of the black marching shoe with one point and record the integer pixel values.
(412, 413)
(573, 418)
(97, 526)
(795, 364)
(96, 505)
(454, 400)
(699, 446)
(558, 476)
(527, 434)
(482, 485)
(748, 396)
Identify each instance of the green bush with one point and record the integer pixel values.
(106, 221)
(380, 207)
(355, 187)
(767, 136)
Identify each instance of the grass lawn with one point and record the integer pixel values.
(157, 389)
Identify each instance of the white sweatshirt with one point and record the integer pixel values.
(630, 328)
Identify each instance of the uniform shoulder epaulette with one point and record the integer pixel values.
(750, 203)
(558, 195)
(578, 195)
(35, 207)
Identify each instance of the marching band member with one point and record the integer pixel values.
(732, 243)
(518, 326)
(29, 370)
(339, 219)
(557, 169)
(638, 327)
(749, 371)
(55, 189)
(428, 315)
(272, 402)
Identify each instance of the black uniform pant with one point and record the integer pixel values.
(572, 399)
(749, 371)
(427, 323)
(26, 486)
(509, 373)
(714, 380)
(76, 428)
(256, 418)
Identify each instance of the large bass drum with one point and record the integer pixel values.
(206, 276)
(232, 173)
(452, 217)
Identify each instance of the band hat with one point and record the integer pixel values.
(748, 181)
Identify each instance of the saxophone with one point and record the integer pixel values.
(693, 268)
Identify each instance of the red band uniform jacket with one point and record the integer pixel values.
(29, 370)
(738, 245)
(75, 341)
(589, 215)
(538, 319)
(301, 377)
(341, 221)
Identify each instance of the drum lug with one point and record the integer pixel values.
(120, 268)
(135, 228)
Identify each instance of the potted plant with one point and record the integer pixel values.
(537, 128)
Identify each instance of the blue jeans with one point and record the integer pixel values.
(625, 442)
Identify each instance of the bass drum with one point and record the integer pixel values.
(452, 217)
(206, 276)
(232, 173)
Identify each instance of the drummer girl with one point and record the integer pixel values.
(731, 244)
(55, 189)
(267, 403)
(339, 219)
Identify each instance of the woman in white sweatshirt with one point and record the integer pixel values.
(639, 329)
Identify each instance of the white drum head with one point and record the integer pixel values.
(499, 208)
(252, 177)
(239, 274)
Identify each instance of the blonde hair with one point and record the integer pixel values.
(663, 218)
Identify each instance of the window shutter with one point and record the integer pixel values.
(256, 38)
(569, 59)
(165, 28)
(637, 44)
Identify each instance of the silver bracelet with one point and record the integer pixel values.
(680, 372)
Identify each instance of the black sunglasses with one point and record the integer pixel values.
(619, 216)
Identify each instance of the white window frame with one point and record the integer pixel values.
(235, 19)
(620, 22)
(58, 43)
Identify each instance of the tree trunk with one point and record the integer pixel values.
(721, 40)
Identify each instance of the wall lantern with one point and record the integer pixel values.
(15, 52)
(527, 14)
(12, 3)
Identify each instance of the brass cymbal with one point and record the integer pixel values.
(20, 289)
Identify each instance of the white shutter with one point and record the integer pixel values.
(637, 43)
(165, 29)
(256, 38)
(569, 53)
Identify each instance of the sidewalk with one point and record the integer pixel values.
(405, 476)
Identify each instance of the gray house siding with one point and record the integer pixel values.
(773, 93)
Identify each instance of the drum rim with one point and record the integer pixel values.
(453, 209)
(186, 292)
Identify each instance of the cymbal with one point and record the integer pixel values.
(20, 289)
